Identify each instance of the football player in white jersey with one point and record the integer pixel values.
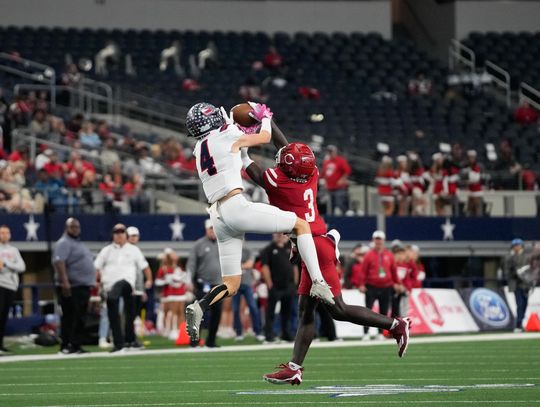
(219, 164)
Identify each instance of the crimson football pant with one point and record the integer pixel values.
(6, 299)
(383, 296)
(74, 309)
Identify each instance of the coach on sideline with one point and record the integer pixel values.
(11, 265)
(74, 276)
(117, 266)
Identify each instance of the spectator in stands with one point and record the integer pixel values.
(402, 185)
(20, 112)
(190, 85)
(357, 254)
(108, 154)
(88, 136)
(273, 59)
(203, 266)
(108, 57)
(102, 130)
(146, 162)
(514, 265)
(74, 125)
(419, 184)
(384, 179)
(472, 173)
(71, 77)
(246, 291)
(336, 172)
(506, 168)
(74, 276)
(143, 280)
(58, 130)
(40, 124)
(378, 278)
(281, 278)
(117, 265)
(173, 54)
(14, 198)
(11, 265)
(251, 91)
(309, 93)
(526, 114)
(42, 158)
(139, 202)
(420, 85)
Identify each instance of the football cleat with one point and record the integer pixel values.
(285, 375)
(194, 316)
(321, 290)
(401, 334)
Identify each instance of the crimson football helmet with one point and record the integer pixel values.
(297, 161)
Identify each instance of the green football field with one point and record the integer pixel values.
(502, 372)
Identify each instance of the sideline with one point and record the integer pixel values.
(261, 347)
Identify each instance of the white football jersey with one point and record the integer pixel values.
(218, 167)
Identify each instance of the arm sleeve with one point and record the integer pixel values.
(346, 167)
(356, 271)
(265, 257)
(140, 260)
(191, 265)
(99, 262)
(362, 276)
(17, 265)
(61, 252)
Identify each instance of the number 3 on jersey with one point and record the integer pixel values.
(207, 161)
(310, 199)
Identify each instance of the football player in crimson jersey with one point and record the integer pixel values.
(292, 186)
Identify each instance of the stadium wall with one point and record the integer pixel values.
(485, 16)
(269, 16)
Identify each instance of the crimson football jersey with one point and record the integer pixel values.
(296, 197)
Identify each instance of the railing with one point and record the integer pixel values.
(526, 93)
(501, 78)
(459, 53)
(31, 70)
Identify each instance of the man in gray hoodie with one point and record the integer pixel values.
(11, 265)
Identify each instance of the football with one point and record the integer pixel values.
(240, 114)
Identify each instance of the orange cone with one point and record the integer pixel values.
(183, 337)
(533, 324)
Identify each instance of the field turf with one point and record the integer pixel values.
(459, 372)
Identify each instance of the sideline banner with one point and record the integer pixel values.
(488, 308)
(432, 310)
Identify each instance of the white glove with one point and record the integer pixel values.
(227, 116)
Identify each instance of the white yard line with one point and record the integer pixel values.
(312, 402)
(259, 347)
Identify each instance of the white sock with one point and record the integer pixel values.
(294, 366)
(394, 324)
(307, 250)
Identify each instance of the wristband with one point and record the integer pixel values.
(266, 124)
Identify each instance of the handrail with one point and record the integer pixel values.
(455, 53)
(48, 73)
(524, 90)
(83, 94)
(100, 85)
(505, 84)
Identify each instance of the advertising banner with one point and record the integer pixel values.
(488, 308)
(431, 310)
(533, 304)
(436, 310)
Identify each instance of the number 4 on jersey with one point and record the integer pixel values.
(207, 161)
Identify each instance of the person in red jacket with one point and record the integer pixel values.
(406, 272)
(416, 281)
(403, 185)
(378, 278)
(335, 172)
(525, 114)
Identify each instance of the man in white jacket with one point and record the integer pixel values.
(11, 265)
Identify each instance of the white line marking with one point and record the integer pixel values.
(332, 402)
(331, 380)
(259, 347)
